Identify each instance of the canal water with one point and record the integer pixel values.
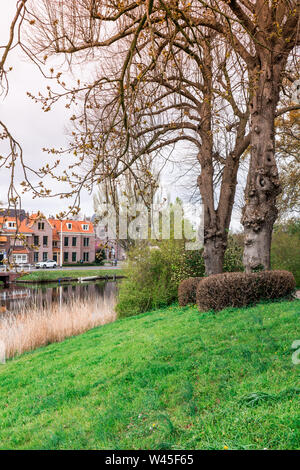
(22, 297)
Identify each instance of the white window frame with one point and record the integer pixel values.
(69, 226)
(20, 258)
(9, 225)
(85, 227)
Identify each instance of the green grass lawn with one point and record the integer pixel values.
(169, 379)
(43, 275)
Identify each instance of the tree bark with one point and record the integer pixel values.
(213, 253)
(217, 221)
(263, 187)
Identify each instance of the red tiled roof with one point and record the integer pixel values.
(23, 251)
(22, 226)
(36, 217)
(76, 226)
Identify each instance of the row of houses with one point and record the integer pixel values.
(32, 238)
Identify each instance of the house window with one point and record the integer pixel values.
(45, 241)
(35, 256)
(18, 259)
(86, 242)
(54, 243)
(74, 241)
(66, 241)
(85, 256)
(36, 240)
(45, 256)
(85, 226)
(41, 225)
(66, 257)
(74, 256)
(69, 226)
(11, 224)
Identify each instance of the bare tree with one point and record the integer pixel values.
(263, 35)
(170, 84)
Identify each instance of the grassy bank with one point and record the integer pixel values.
(43, 275)
(173, 378)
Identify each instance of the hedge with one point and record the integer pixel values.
(219, 291)
(187, 291)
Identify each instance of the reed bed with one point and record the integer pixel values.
(30, 329)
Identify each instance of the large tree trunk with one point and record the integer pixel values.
(260, 212)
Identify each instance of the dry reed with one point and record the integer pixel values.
(29, 330)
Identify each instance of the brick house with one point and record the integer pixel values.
(42, 237)
(78, 240)
(17, 249)
(39, 239)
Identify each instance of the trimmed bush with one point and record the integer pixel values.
(187, 291)
(240, 289)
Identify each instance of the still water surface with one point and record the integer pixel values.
(20, 298)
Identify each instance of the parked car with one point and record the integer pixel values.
(50, 263)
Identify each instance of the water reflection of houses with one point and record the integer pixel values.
(43, 297)
(12, 297)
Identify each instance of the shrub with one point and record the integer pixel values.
(148, 283)
(187, 291)
(233, 258)
(100, 256)
(153, 276)
(285, 253)
(240, 289)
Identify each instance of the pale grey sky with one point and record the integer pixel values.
(30, 126)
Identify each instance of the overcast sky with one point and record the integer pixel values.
(34, 129)
(30, 126)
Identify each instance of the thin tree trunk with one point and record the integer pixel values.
(215, 236)
(213, 254)
(217, 220)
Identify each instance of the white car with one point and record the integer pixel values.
(50, 263)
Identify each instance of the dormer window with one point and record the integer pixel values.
(9, 225)
(85, 226)
(69, 226)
